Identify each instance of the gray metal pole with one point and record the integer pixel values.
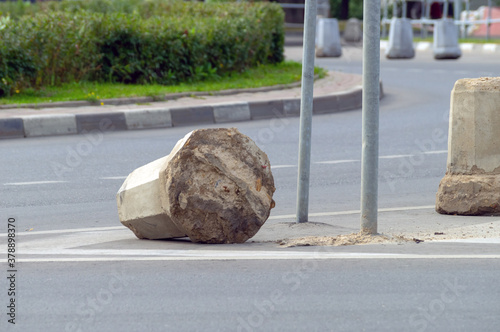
(371, 98)
(457, 9)
(488, 21)
(386, 13)
(306, 107)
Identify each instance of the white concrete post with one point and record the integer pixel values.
(328, 39)
(471, 185)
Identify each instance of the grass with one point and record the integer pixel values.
(261, 76)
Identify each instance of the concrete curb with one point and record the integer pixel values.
(154, 118)
(465, 47)
(171, 96)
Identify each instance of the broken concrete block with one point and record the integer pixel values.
(471, 185)
(139, 205)
(217, 187)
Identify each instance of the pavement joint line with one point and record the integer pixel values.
(286, 216)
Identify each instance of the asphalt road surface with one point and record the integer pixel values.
(62, 183)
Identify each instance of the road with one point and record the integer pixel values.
(62, 184)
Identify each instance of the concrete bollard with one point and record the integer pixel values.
(400, 40)
(328, 38)
(139, 204)
(353, 32)
(471, 185)
(446, 40)
(323, 8)
(216, 186)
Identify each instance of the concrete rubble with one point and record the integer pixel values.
(216, 186)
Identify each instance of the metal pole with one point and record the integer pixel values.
(384, 25)
(428, 14)
(458, 9)
(467, 10)
(371, 98)
(423, 16)
(306, 108)
(488, 21)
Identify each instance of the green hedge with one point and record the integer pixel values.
(163, 42)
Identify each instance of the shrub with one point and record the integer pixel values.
(135, 41)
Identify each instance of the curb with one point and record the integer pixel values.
(155, 118)
(465, 47)
(171, 96)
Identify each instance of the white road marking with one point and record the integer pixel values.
(69, 230)
(113, 178)
(381, 157)
(338, 161)
(201, 255)
(397, 156)
(341, 213)
(278, 217)
(478, 241)
(32, 183)
(436, 152)
(282, 166)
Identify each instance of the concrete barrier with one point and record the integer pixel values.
(216, 186)
(328, 38)
(139, 204)
(400, 40)
(446, 40)
(471, 185)
(353, 32)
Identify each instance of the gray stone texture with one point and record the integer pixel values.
(217, 186)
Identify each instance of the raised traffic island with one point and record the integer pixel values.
(471, 185)
(216, 186)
